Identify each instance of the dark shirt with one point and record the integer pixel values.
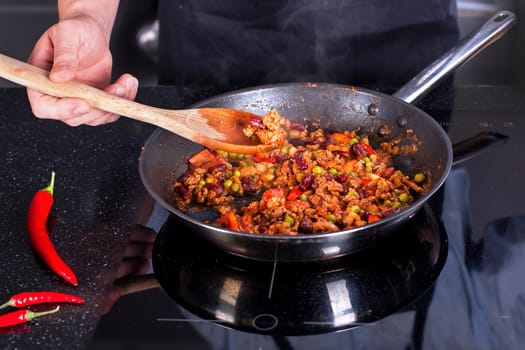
(236, 43)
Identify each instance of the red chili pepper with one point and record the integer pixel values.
(37, 215)
(34, 298)
(22, 316)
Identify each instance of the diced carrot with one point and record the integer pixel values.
(201, 158)
(338, 148)
(229, 220)
(341, 138)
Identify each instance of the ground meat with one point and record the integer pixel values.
(323, 182)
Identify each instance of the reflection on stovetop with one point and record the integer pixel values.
(300, 298)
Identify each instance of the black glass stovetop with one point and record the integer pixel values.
(299, 298)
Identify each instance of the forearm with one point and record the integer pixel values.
(102, 11)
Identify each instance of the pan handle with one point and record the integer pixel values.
(466, 49)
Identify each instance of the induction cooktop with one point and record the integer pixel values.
(300, 298)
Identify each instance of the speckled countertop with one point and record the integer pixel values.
(97, 193)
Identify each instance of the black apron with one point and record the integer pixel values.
(230, 44)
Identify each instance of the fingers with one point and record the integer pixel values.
(126, 87)
(74, 111)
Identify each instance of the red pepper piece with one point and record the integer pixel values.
(262, 158)
(294, 194)
(22, 316)
(34, 298)
(37, 215)
(277, 193)
(366, 180)
(373, 218)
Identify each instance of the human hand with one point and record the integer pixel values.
(77, 49)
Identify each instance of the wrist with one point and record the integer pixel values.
(103, 12)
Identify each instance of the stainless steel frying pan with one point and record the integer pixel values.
(333, 107)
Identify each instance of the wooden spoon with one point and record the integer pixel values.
(215, 128)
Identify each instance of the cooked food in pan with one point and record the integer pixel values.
(315, 182)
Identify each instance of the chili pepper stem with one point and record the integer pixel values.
(10, 302)
(51, 185)
(34, 314)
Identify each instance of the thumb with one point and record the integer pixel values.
(65, 61)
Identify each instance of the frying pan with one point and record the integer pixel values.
(332, 107)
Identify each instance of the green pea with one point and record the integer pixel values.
(227, 183)
(209, 180)
(355, 209)
(299, 177)
(235, 187)
(333, 171)
(317, 170)
(236, 173)
(419, 178)
(303, 197)
(354, 140)
(285, 149)
(403, 197)
(331, 217)
(387, 203)
(202, 182)
(352, 192)
(289, 219)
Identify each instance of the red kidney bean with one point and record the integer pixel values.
(248, 185)
(258, 123)
(301, 164)
(359, 149)
(183, 192)
(342, 153)
(341, 178)
(221, 167)
(305, 226)
(214, 187)
(306, 182)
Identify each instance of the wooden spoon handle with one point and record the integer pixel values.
(180, 121)
(38, 79)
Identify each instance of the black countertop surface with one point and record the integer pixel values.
(478, 300)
